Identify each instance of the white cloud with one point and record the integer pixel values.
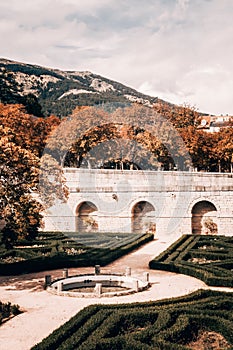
(177, 50)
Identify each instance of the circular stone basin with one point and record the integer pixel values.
(103, 285)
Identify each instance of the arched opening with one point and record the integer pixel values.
(204, 218)
(86, 217)
(143, 218)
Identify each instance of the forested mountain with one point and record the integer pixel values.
(51, 91)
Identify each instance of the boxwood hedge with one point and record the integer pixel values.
(55, 250)
(209, 258)
(166, 324)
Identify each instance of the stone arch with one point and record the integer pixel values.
(143, 217)
(86, 217)
(204, 218)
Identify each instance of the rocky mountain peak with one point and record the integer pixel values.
(59, 92)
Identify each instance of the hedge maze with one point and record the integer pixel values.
(52, 250)
(209, 258)
(168, 324)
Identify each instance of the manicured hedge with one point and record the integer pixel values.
(209, 258)
(165, 324)
(7, 310)
(49, 251)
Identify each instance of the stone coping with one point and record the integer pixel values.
(62, 286)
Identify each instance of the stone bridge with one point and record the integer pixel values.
(163, 202)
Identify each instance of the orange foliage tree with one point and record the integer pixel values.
(19, 169)
(30, 132)
(134, 134)
(22, 138)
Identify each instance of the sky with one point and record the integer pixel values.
(178, 50)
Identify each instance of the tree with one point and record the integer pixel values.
(134, 134)
(30, 132)
(180, 116)
(223, 147)
(25, 179)
(19, 171)
(32, 105)
(11, 92)
(62, 140)
(200, 147)
(94, 136)
(9, 88)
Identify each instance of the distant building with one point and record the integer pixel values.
(211, 123)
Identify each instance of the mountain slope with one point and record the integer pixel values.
(52, 91)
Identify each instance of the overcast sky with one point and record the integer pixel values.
(178, 50)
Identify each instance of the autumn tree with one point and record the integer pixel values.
(200, 144)
(26, 182)
(209, 151)
(134, 134)
(19, 170)
(30, 132)
(166, 137)
(223, 148)
(61, 142)
(180, 116)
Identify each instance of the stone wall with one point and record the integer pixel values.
(120, 198)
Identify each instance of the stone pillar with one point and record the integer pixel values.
(48, 280)
(128, 271)
(146, 276)
(59, 286)
(98, 289)
(97, 269)
(136, 287)
(65, 273)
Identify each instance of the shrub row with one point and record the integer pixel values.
(212, 264)
(54, 256)
(165, 324)
(7, 310)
